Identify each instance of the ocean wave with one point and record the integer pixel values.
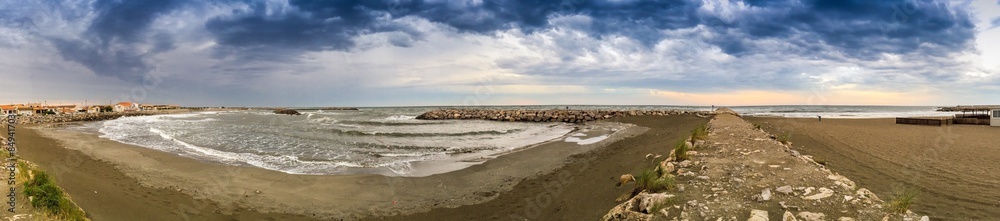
(398, 134)
(401, 117)
(380, 123)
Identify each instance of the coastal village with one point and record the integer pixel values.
(30, 109)
(40, 113)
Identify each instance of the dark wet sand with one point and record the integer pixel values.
(105, 193)
(583, 189)
(114, 181)
(954, 167)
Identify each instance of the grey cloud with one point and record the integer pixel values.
(111, 45)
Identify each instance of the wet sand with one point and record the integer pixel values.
(114, 181)
(584, 189)
(953, 167)
(106, 193)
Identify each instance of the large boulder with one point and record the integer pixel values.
(287, 111)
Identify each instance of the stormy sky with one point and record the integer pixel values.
(500, 52)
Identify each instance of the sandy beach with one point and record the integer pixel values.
(952, 167)
(114, 181)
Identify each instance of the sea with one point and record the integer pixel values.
(389, 140)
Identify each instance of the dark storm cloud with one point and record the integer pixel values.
(858, 28)
(332, 25)
(118, 41)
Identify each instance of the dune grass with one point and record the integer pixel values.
(653, 180)
(45, 195)
(902, 200)
(784, 138)
(681, 151)
(700, 132)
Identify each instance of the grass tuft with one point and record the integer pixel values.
(784, 138)
(699, 133)
(902, 200)
(46, 195)
(651, 180)
(681, 152)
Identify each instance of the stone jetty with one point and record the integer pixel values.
(740, 172)
(44, 119)
(568, 116)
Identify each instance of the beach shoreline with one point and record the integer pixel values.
(233, 190)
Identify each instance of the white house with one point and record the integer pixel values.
(995, 118)
(126, 106)
(91, 109)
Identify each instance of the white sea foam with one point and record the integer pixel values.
(401, 117)
(586, 141)
(309, 146)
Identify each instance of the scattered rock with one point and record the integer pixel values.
(648, 201)
(684, 164)
(788, 216)
(758, 215)
(823, 193)
(865, 194)
(842, 181)
(845, 219)
(764, 195)
(668, 167)
(784, 189)
(810, 216)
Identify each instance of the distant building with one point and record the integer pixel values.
(127, 107)
(995, 119)
(8, 109)
(90, 109)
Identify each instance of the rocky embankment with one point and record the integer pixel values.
(739, 172)
(44, 119)
(569, 116)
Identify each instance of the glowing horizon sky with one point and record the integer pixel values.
(482, 52)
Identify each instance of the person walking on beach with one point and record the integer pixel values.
(820, 117)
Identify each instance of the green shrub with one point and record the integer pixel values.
(902, 200)
(645, 178)
(651, 180)
(662, 184)
(680, 152)
(47, 196)
(784, 138)
(699, 133)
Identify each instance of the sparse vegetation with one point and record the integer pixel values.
(652, 180)
(47, 196)
(784, 138)
(700, 132)
(901, 200)
(756, 126)
(680, 151)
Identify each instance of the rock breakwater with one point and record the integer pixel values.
(44, 119)
(568, 116)
(739, 172)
